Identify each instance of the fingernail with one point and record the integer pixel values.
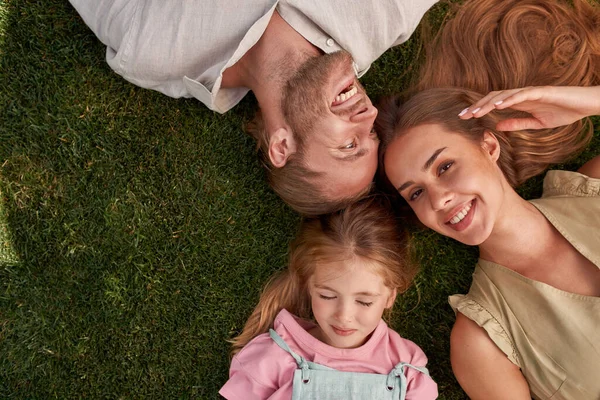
(475, 110)
(499, 102)
(463, 112)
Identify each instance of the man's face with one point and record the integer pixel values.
(332, 118)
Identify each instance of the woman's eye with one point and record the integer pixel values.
(363, 303)
(415, 194)
(326, 297)
(445, 167)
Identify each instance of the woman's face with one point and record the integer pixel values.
(452, 183)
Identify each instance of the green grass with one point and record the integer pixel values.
(136, 230)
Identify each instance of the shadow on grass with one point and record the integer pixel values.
(142, 224)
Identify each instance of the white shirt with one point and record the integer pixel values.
(181, 48)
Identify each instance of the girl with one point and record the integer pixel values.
(345, 270)
(530, 323)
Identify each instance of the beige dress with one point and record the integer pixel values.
(552, 335)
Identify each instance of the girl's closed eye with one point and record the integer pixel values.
(365, 303)
(326, 297)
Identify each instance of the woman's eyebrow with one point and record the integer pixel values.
(432, 159)
(426, 166)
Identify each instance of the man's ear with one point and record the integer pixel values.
(491, 145)
(281, 145)
(391, 299)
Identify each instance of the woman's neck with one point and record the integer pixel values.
(521, 237)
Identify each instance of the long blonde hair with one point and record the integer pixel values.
(367, 229)
(489, 45)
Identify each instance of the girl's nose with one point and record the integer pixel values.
(344, 312)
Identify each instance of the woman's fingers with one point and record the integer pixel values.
(519, 124)
(488, 103)
(527, 94)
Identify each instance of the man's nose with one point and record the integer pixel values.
(366, 114)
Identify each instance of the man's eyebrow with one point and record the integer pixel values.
(426, 166)
(355, 156)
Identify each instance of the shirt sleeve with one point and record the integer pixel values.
(243, 386)
(420, 386)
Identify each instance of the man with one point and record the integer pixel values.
(301, 58)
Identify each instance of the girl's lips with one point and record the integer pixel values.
(466, 221)
(343, 332)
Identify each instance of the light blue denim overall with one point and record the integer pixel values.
(317, 382)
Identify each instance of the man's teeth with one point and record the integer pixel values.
(345, 96)
(461, 214)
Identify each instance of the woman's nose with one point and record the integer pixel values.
(440, 197)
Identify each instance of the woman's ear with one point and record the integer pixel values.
(281, 146)
(391, 299)
(490, 145)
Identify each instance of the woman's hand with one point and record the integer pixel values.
(549, 106)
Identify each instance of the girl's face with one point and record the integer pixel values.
(348, 301)
(452, 183)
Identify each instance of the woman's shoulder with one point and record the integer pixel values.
(570, 183)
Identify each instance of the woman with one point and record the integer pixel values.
(530, 323)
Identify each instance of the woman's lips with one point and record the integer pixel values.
(343, 332)
(466, 221)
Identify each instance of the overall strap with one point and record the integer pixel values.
(302, 363)
(398, 372)
(281, 343)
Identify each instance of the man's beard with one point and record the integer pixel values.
(305, 100)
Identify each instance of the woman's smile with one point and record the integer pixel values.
(461, 217)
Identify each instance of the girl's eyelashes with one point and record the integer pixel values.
(326, 297)
(362, 303)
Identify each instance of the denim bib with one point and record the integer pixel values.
(313, 381)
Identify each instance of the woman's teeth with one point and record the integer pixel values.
(461, 214)
(340, 98)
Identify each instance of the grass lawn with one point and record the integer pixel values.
(137, 230)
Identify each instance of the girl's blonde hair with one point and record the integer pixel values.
(368, 230)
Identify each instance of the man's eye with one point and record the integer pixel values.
(445, 167)
(415, 194)
(350, 146)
